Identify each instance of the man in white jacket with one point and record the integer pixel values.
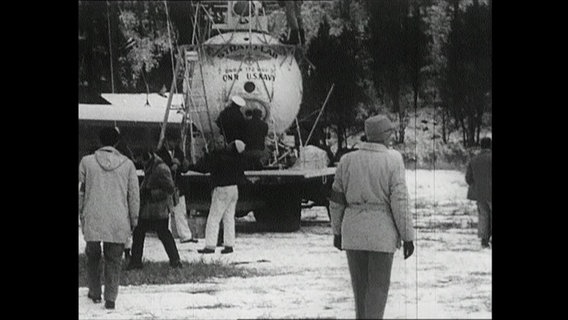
(370, 216)
(109, 202)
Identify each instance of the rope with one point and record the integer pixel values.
(321, 112)
(110, 48)
(299, 134)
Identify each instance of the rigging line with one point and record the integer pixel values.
(270, 96)
(168, 107)
(205, 96)
(110, 47)
(194, 25)
(320, 113)
(299, 134)
(416, 200)
(235, 79)
(183, 127)
(212, 23)
(170, 37)
(259, 25)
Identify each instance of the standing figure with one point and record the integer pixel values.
(108, 210)
(173, 156)
(478, 177)
(231, 121)
(370, 215)
(255, 135)
(226, 167)
(156, 203)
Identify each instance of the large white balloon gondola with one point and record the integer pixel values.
(256, 67)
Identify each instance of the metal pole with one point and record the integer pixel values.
(110, 48)
(167, 113)
(319, 115)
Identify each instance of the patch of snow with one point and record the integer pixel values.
(449, 275)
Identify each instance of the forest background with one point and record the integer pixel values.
(425, 63)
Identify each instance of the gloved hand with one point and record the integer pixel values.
(185, 165)
(408, 249)
(175, 165)
(337, 241)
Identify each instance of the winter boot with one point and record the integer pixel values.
(109, 304)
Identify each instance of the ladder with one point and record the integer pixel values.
(195, 97)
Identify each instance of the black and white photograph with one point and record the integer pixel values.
(285, 159)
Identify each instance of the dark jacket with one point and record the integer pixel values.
(231, 122)
(225, 166)
(178, 154)
(478, 176)
(255, 133)
(156, 191)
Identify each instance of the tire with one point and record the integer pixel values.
(283, 213)
(262, 216)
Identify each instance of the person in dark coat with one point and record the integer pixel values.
(156, 203)
(255, 153)
(478, 177)
(226, 167)
(173, 156)
(231, 121)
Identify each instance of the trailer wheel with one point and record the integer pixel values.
(282, 214)
(291, 215)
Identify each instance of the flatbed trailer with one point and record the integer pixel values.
(274, 196)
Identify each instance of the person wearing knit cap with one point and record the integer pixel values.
(370, 215)
(227, 172)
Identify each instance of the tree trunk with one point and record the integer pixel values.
(401, 126)
(444, 125)
(464, 132)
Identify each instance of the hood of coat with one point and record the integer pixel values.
(109, 158)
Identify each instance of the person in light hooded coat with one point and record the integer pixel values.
(109, 202)
(370, 216)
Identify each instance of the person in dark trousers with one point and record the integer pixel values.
(231, 121)
(173, 156)
(156, 204)
(478, 177)
(226, 167)
(255, 153)
(370, 216)
(108, 210)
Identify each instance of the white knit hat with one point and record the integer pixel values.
(239, 145)
(378, 128)
(239, 101)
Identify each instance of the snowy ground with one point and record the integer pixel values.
(449, 275)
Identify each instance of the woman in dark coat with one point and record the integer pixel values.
(156, 203)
